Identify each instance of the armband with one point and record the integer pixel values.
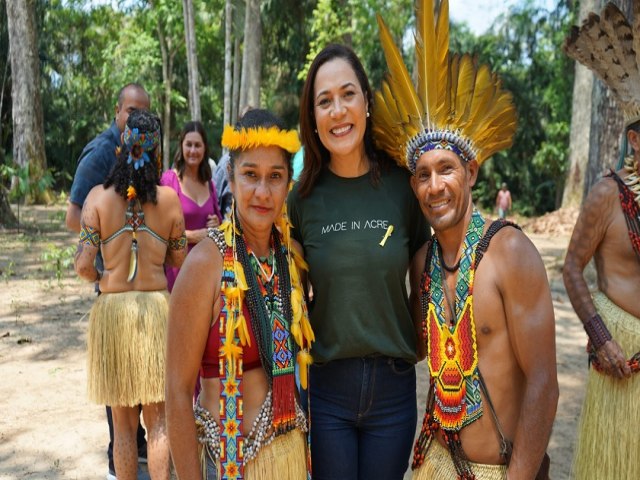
(178, 243)
(597, 331)
(89, 236)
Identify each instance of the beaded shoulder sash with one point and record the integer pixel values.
(454, 399)
(631, 212)
(273, 325)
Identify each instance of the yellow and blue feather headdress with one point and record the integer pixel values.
(457, 104)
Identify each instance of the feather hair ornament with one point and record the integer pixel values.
(457, 105)
(609, 45)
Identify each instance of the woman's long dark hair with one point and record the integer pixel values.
(316, 156)
(204, 170)
(146, 178)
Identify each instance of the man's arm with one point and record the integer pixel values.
(94, 165)
(590, 230)
(72, 219)
(531, 325)
(190, 314)
(89, 242)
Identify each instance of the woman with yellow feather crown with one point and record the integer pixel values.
(238, 319)
(480, 306)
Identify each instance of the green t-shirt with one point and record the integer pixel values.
(360, 302)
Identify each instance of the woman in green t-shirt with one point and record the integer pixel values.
(359, 223)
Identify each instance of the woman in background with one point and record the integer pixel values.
(137, 226)
(191, 179)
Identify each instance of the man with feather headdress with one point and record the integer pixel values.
(608, 230)
(485, 307)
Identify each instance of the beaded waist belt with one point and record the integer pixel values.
(261, 434)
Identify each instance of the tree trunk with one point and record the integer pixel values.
(28, 128)
(167, 76)
(7, 218)
(4, 80)
(192, 60)
(252, 56)
(235, 92)
(596, 124)
(228, 51)
(580, 125)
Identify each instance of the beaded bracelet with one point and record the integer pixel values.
(597, 331)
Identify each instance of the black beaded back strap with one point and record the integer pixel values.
(494, 228)
(424, 284)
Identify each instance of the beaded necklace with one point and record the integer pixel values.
(272, 327)
(454, 399)
(240, 290)
(629, 196)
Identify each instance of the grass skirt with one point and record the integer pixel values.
(439, 466)
(608, 430)
(127, 342)
(283, 459)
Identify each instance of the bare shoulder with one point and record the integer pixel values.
(201, 269)
(167, 194)
(203, 257)
(96, 194)
(602, 195)
(168, 199)
(513, 252)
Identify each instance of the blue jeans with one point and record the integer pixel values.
(363, 418)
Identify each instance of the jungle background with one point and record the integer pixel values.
(62, 63)
(207, 59)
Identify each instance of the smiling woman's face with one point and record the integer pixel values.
(340, 109)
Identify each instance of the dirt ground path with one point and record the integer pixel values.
(48, 430)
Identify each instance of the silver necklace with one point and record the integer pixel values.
(266, 277)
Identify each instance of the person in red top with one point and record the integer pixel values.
(503, 201)
(238, 318)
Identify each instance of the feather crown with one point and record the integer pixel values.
(609, 45)
(247, 138)
(458, 105)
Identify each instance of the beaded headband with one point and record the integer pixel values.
(248, 138)
(456, 105)
(439, 140)
(139, 143)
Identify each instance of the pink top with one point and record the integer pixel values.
(503, 199)
(195, 216)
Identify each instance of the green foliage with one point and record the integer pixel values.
(58, 260)
(23, 186)
(8, 271)
(353, 22)
(524, 46)
(88, 50)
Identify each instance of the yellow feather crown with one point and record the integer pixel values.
(610, 47)
(457, 104)
(247, 138)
